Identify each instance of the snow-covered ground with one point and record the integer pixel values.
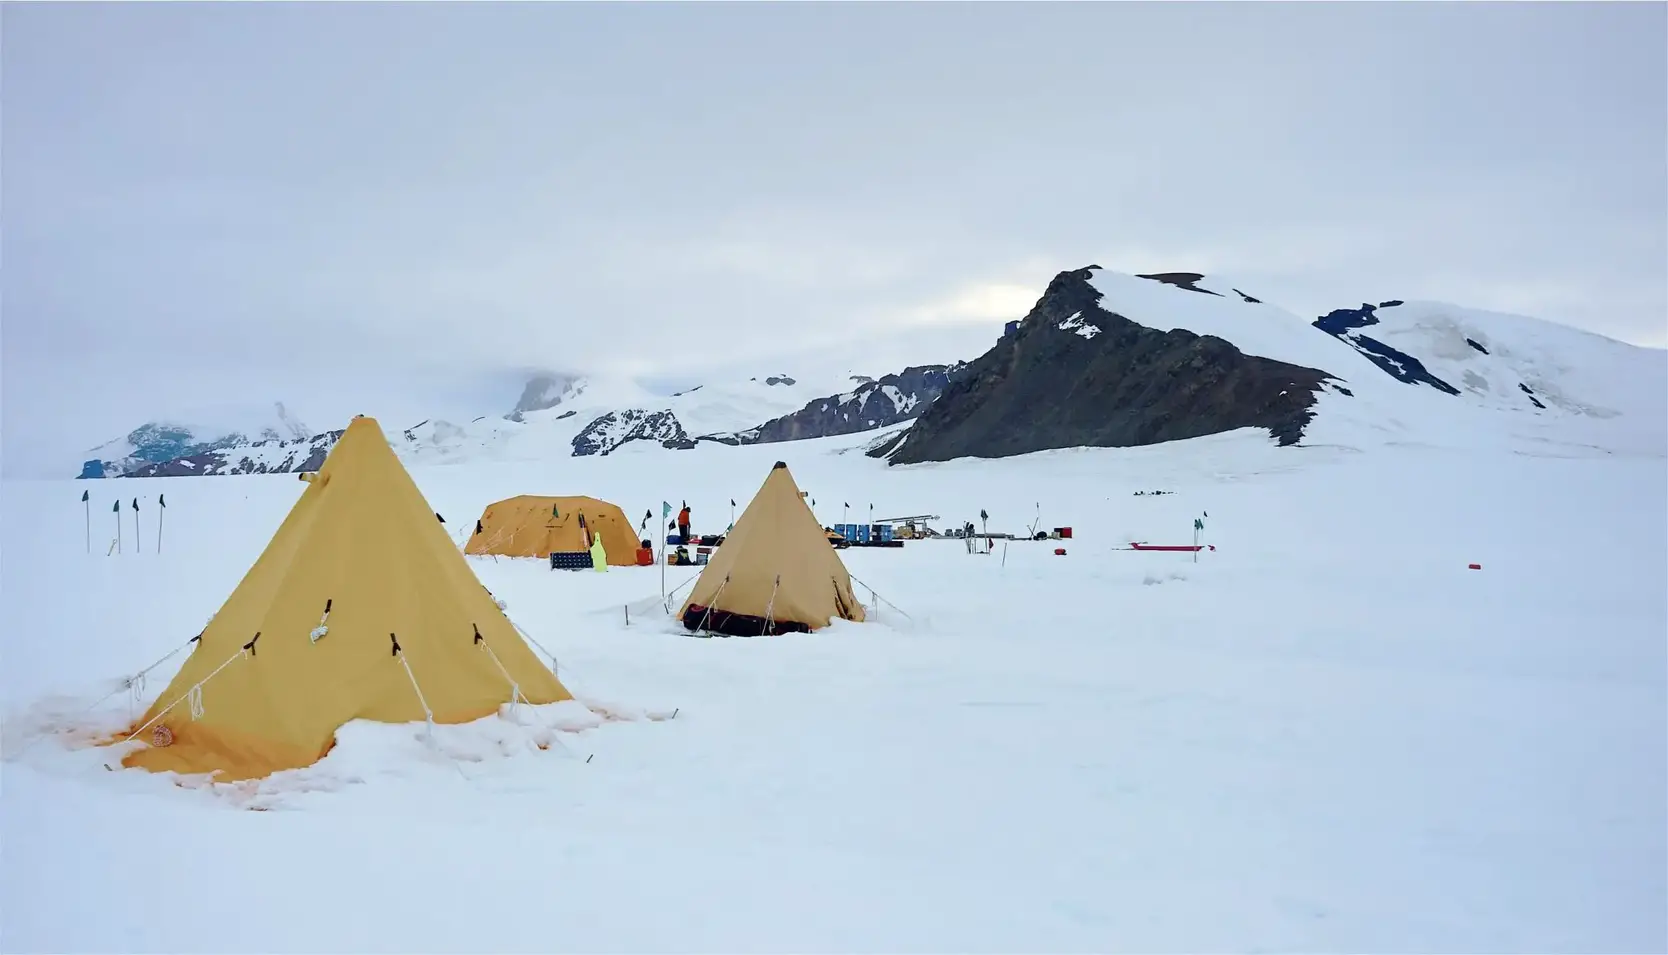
(1329, 734)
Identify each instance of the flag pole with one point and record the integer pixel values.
(138, 548)
(665, 512)
(161, 511)
(87, 508)
(117, 508)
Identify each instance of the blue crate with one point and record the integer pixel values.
(862, 533)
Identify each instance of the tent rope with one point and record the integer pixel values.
(515, 693)
(770, 608)
(706, 616)
(880, 597)
(194, 694)
(134, 686)
(670, 595)
(541, 647)
(428, 714)
(323, 628)
(515, 688)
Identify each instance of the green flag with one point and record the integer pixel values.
(83, 495)
(117, 507)
(1198, 524)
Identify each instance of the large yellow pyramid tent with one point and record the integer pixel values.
(360, 607)
(533, 526)
(775, 572)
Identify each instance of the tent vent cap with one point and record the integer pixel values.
(779, 464)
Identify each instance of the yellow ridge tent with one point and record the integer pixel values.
(533, 526)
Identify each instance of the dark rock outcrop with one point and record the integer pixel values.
(1074, 374)
(1186, 280)
(1344, 324)
(608, 432)
(261, 457)
(874, 403)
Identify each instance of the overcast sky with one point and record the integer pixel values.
(401, 208)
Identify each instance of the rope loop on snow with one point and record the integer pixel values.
(194, 695)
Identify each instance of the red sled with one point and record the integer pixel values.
(1184, 548)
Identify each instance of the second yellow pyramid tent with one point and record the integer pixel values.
(776, 571)
(360, 607)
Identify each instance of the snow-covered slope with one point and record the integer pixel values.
(600, 415)
(262, 457)
(545, 390)
(1254, 327)
(224, 427)
(1510, 362)
(1326, 735)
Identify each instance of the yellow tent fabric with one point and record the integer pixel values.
(774, 573)
(359, 584)
(533, 526)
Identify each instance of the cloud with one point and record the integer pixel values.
(352, 207)
(980, 303)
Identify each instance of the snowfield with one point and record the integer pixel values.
(1328, 734)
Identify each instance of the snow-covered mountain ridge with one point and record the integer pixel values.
(1104, 358)
(569, 415)
(1114, 360)
(158, 442)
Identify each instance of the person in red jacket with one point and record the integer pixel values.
(683, 523)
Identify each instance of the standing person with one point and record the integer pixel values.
(683, 522)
